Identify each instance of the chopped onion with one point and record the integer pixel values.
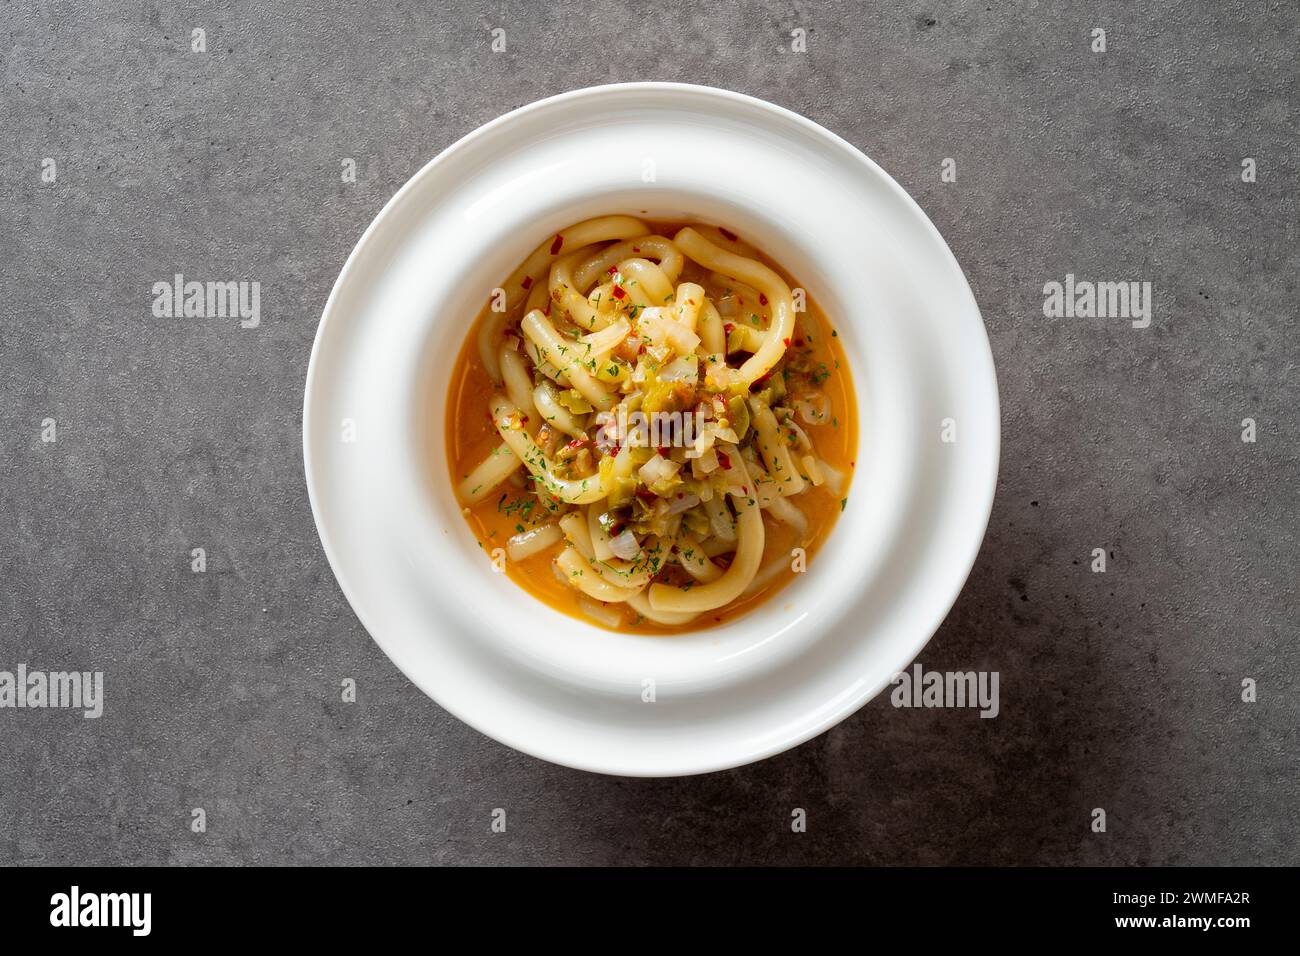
(682, 503)
(703, 443)
(720, 520)
(814, 413)
(802, 442)
(814, 470)
(625, 545)
(834, 478)
(681, 369)
(657, 468)
(705, 463)
(720, 377)
(765, 489)
(786, 513)
(739, 480)
(658, 326)
(606, 339)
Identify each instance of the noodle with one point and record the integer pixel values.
(499, 465)
(613, 339)
(580, 491)
(584, 577)
(567, 355)
(760, 277)
(548, 405)
(728, 587)
(524, 545)
(526, 277)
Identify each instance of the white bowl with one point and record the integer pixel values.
(545, 683)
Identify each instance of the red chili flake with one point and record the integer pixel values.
(762, 299)
(728, 233)
(636, 249)
(798, 341)
(523, 419)
(787, 342)
(612, 270)
(618, 292)
(728, 327)
(528, 282)
(724, 460)
(555, 246)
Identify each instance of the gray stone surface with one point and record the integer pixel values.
(1119, 690)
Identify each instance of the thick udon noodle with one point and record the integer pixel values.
(608, 323)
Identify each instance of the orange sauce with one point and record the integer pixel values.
(471, 436)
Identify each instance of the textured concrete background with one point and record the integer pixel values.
(1119, 690)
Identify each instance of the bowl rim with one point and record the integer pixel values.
(984, 489)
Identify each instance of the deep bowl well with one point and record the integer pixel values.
(551, 685)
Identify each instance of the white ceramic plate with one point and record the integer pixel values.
(542, 682)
